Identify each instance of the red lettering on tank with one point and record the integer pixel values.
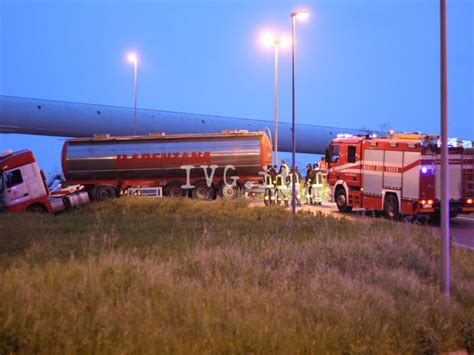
(175, 159)
(165, 159)
(155, 159)
(195, 158)
(121, 160)
(207, 158)
(145, 159)
(185, 159)
(200, 158)
(135, 160)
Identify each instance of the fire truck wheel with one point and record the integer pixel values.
(229, 192)
(202, 191)
(37, 208)
(104, 192)
(173, 189)
(341, 201)
(390, 207)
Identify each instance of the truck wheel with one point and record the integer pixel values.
(104, 192)
(229, 192)
(390, 207)
(37, 208)
(203, 192)
(173, 189)
(341, 201)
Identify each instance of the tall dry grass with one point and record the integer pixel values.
(179, 276)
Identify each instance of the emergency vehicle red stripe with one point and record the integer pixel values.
(411, 166)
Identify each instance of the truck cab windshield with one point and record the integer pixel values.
(1, 183)
(334, 154)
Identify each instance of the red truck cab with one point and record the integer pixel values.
(22, 184)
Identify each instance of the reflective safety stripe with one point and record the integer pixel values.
(279, 181)
(297, 178)
(269, 180)
(318, 178)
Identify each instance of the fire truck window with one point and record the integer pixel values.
(335, 154)
(351, 154)
(1, 183)
(13, 178)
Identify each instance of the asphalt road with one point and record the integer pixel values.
(462, 227)
(462, 231)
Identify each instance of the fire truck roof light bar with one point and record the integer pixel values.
(344, 135)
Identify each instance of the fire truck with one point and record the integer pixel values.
(399, 174)
(201, 166)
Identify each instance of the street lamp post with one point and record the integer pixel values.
(270, 39)
(300, 15)
(275, 128)
(445, 242)
(132, 58)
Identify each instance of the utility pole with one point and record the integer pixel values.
(445, 242)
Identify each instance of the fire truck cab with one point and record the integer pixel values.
(398, 174)
(22, 184)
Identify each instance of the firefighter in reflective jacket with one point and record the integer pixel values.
(308, 183)
(270, 178)
(317, 185)
(281, 183)
(297, 185)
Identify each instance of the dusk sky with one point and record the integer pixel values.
(360, 63)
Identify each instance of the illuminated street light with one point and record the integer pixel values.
(269, 39)
(132, 58)
(300, 15)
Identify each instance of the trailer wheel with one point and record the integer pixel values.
(104, 192)
(390, 207)
(229, 192)
(341, 201)
(173, 189)
(37, 208)
(203, 192)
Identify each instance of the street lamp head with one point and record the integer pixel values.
(268, 39)
(300, 14)
(132, 58)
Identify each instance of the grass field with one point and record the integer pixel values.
(180, 276)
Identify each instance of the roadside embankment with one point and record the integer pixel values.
(146, 276)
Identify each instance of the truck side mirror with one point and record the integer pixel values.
(327, 155)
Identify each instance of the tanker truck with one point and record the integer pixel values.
(201, 166)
